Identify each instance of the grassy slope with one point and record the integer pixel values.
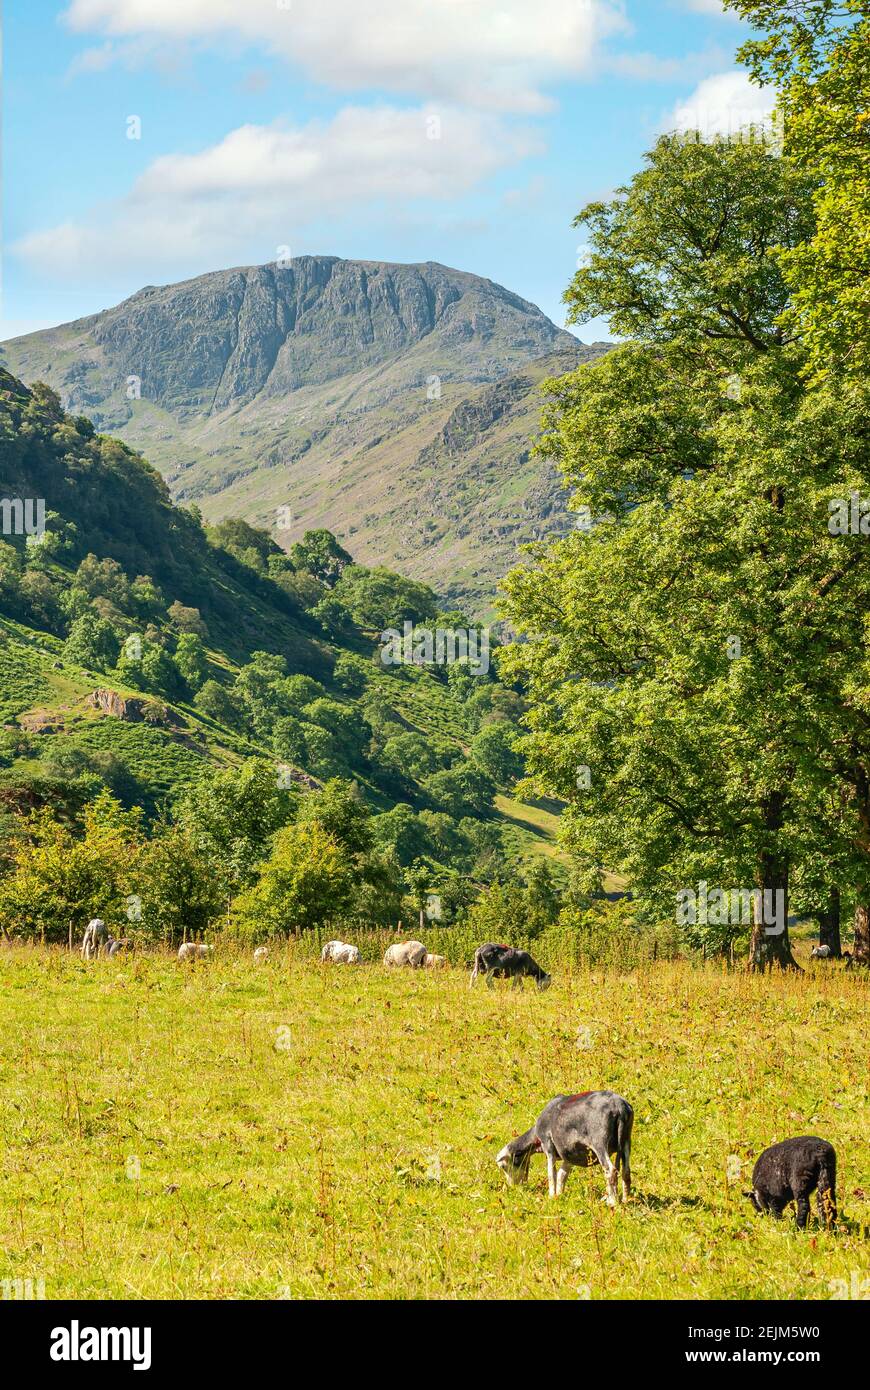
(300, 1171)
(32, 688)
(455, 521)
(33, 683)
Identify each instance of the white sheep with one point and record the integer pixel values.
(411, 953)
(261, 954)
(194, 950)
(340, 953)
(433, 962)
(95, 938)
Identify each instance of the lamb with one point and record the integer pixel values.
(576, 1130)
(789, 1172)
(340, 953)
(411, 953)
(504, 962)
(95, 937)
(433, 962)
(261, 954)
(194, 950)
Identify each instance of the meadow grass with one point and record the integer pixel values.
(297, 1131)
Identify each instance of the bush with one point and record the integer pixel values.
(308, 880)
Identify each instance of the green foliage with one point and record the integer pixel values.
(351, 673)
(186, 620)
(378, 599)
(216, 702)
(191, 661)
(401, 832)
(817, 54)
(416, 756)
(493, 751)
(92, 642)
(231, 816)
(340, 810)
(687, 248)
(461, 791)
(321, 555)
(306, 882)
(178, 889)
(250, 545)
(129, 586)
(59, 880)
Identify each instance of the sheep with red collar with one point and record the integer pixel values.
(573, 1132)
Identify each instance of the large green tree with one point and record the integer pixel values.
(695, 645)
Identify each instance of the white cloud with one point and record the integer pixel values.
(723, 105)
(262, 184)
(495, 54)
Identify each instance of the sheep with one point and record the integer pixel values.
(575, 1130)
(789, 1172)
(411, 953)
(820, 953)
(340, 953)
(193, 950)
(95, 937)
(261, 954)
(114, 947)
(505, 962)
(433, 962)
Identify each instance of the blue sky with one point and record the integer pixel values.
(463, 131)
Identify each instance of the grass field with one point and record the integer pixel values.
(298, 1131)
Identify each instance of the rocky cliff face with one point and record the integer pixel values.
(214, 343)
(321, 390)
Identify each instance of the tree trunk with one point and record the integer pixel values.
(769, 944)
(829, 925)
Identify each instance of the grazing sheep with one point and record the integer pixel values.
(340, 953)
(504, 962)
(411, 953)
(575, 1130)
(261, 954)
(789, 1172)
(433, 962)
(95, 937)
(820, 953)
(194, 950)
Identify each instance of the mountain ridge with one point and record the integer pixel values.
(316, 393)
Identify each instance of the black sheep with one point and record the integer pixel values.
(505, 962)
(789, 1172)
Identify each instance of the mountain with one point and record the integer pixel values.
(395, 405)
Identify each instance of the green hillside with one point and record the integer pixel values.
(142, 652)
